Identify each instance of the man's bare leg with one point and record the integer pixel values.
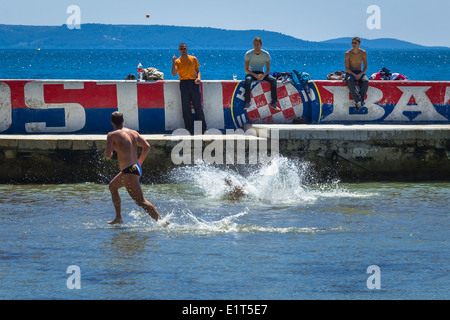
(133, 186)
(114, 187)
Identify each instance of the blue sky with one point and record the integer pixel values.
(423, 22)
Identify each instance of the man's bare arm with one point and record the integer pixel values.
(247, 68)
(365, 62)
(109, 147)
(174, 69)
(199, 76)
(267, 69)
(145, 148)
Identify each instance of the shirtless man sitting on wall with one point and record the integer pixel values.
(125, 142)
(354, 59)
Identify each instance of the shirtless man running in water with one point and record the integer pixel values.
(125, 142)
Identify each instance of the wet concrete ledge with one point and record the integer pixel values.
(344, 152)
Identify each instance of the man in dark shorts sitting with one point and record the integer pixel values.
(125, 142)
(255, 60)
(354, 59)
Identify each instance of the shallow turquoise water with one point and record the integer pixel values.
(285, 239)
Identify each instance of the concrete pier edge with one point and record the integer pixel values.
(354, 152)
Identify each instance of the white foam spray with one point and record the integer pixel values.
(205, 202)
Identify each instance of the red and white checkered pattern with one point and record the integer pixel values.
(289, 99)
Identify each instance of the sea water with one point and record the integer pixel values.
(286, 237)
(87, 64)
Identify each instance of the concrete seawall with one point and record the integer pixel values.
(370, 152)
(345, 152)
(54, 131)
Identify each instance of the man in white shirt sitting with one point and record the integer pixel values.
(255, 60)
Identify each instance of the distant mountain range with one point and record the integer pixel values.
(102, 36)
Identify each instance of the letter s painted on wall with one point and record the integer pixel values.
(74, 114)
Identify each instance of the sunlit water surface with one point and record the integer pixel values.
(284, 239)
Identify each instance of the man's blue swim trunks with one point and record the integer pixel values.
(134, 169)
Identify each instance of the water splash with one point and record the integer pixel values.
(282, 181)
(201, 201)
(186, 222)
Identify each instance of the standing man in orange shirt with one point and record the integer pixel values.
(187, 68)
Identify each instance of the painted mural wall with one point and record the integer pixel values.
(85, 107)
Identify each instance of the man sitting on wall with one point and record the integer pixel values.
(255, 60)
(354, 59)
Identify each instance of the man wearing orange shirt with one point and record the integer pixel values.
(187, 68)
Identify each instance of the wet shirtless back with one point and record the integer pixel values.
(125, 142)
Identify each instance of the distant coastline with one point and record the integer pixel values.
(103, 36)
